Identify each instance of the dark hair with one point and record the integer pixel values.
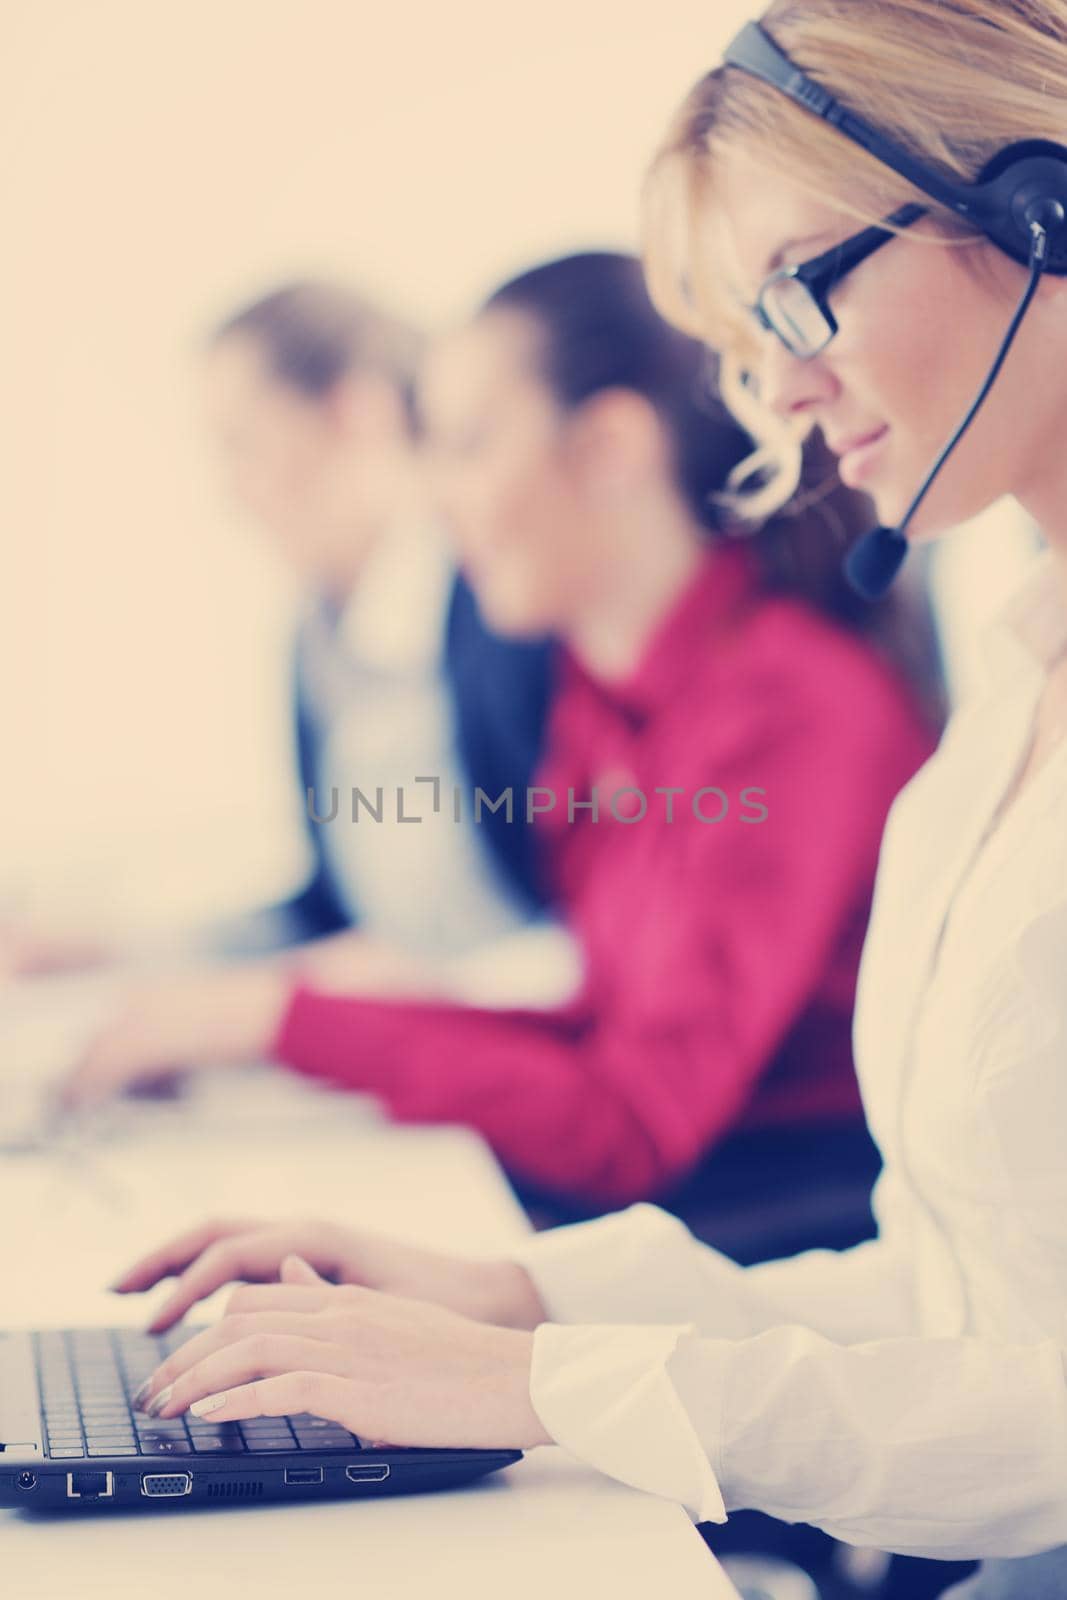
(600, 330)
(313, 333)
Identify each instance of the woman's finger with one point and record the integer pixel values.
(177, 1253)
(261, 1355)
(220, 1336)
(323, 1394)
(297, 1271)
(281, 1297)
(253, 1255)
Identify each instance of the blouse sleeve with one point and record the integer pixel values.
(726, 942)
(643, 1266)
(952, 1448)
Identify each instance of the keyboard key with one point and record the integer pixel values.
(268, 1443)
(111, 1450)
(201, 1445)
(165, 1447)
(66, 1455)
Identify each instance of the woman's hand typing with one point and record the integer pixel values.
(224, 1251)
(394, 1371)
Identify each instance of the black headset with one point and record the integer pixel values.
(1018, 201)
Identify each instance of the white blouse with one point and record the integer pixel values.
(909, 1393)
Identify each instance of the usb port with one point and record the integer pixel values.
(368, 1472)
(304, 1474)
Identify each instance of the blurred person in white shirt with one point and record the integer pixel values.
(308, 406)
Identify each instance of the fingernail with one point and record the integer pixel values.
(160, 1401)
(141, 1393)
(210, 1402)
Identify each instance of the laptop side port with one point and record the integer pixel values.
(304, 1475)
(368, 1472)
(27, 1480)
(166, 1485)
(90, 1485)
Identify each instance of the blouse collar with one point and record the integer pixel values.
(1030, 630)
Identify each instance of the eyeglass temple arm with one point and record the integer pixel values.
(755, 52)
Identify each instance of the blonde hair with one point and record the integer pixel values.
(954, 81)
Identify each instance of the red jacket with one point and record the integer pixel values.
(721, 956)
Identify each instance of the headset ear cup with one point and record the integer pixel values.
(1016, 186)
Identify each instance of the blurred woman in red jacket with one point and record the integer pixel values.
(727, 733)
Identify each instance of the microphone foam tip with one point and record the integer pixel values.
(874, 561)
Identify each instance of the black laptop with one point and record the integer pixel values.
(70, 1439)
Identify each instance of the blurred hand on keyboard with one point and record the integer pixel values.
(192, 1020)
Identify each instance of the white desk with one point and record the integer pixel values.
(546, 1529)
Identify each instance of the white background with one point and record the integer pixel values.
(164, 160)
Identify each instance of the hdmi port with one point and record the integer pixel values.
(368, 1472)
(304, 1474)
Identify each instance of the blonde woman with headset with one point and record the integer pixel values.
(909, 1393)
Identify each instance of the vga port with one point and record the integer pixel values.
(166, 1485)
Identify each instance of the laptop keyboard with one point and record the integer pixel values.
(88, 1375)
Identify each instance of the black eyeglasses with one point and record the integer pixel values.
(794, 302)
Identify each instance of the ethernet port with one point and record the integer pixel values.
(90, 1485)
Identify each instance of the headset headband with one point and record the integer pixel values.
(1002, 202)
